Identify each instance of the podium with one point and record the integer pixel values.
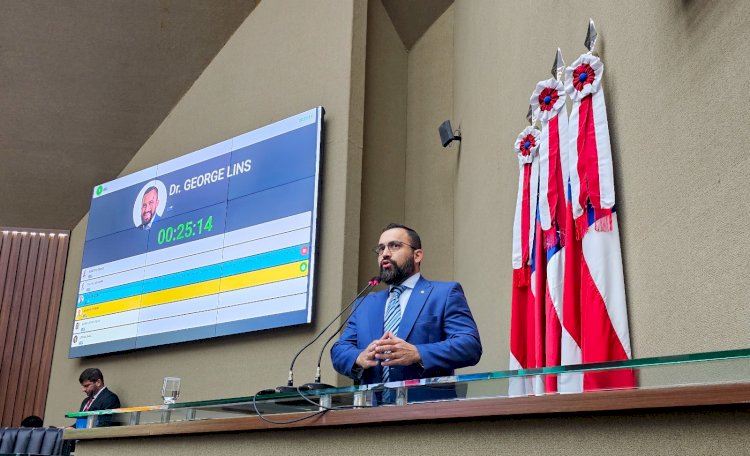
(689, 380)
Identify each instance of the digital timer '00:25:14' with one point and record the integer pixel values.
(185, 230)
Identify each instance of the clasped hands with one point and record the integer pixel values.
(389, 350)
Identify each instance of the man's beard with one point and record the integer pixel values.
(146, 220)
(396, 273)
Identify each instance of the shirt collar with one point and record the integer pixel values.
(410, 283)
(98, 393)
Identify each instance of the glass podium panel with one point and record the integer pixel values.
(710, 368)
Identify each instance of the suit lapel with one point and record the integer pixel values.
(376, 315)
(418, 298)
(99, 399)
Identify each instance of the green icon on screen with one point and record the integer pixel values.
(303, 267)
(99, 190)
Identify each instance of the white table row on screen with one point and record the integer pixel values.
(268, 229)
(265, 292)
(222, 315)
(112, 280)
(262, 308)
(105, 321)
(177, 322)
(269, 244)
(184, 307)
(215, 242)
(105, 335)
(114, 267)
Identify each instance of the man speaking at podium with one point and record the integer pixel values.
(416, 329)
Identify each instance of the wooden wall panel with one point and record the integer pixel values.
(32, 268)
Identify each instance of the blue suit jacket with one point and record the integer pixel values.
(437, 320)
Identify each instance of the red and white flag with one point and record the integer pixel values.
(524, 339)
(601, 326)
(570, 344)
(548, 105)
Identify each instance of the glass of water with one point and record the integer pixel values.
(170, 390)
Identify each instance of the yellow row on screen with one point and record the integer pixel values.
(196, 290)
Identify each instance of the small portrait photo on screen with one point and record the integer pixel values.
(149, 204)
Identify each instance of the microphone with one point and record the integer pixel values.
(316, 384)
(289, 387)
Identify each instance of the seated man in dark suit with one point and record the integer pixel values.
(98, 396)
(417, 328)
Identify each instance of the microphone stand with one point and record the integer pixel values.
(289, 387)
(316, 384)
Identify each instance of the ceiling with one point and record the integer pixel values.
(84, 83)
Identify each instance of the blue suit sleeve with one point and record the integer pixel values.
(345, 351)
(461, 345)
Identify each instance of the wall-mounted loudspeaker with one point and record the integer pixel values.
(447, 135)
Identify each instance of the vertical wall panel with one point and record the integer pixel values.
(34, 334)
(32, 267)
(23, 291)
(13, 290)
(40, 392)
(58, 274)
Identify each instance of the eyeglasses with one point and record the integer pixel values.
(393, 246)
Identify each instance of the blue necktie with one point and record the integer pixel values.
(392, 320)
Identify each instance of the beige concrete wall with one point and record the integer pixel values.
(407, 176)
(675, 78)
(430, 169)
(383, 158)
(281, 61)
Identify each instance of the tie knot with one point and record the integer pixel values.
(396, 291)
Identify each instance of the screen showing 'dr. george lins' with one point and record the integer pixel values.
(216, 242)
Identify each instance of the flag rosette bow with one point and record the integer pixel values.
(548, 99)
(527, 145)
(584, 77)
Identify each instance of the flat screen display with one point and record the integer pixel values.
(216, 242)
